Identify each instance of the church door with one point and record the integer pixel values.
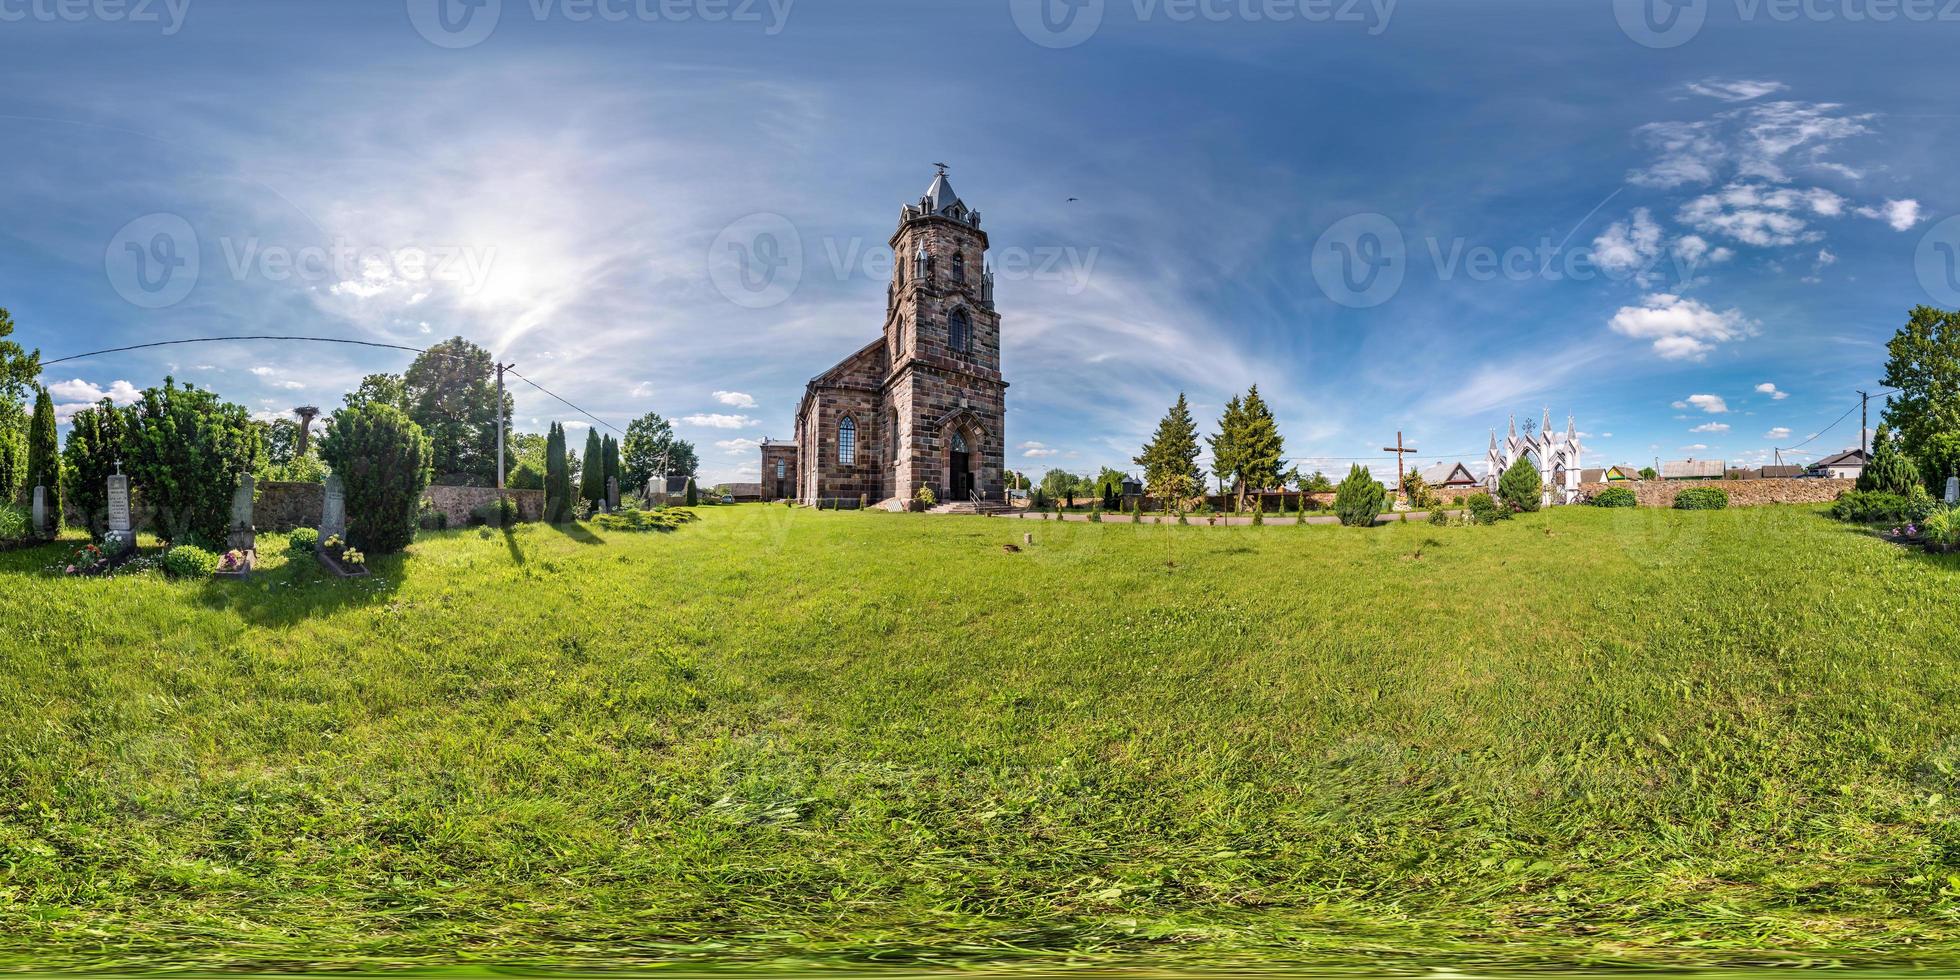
(961, 469)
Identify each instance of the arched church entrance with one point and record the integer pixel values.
(960, 468)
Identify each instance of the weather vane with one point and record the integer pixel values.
(942, 169)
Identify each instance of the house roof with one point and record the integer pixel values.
(1444, 474)
(1850, 457)
(1781, 472)
(1592, 476)
(1625, 472)
(1693, 469)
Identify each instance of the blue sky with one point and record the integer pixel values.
(1753, 199)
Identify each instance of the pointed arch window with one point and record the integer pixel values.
(959, 266)
(959, 330)
(959, 442)
(847, 442)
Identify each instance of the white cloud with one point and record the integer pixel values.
(265, 372)
(1036, 450)
(735, 399)
(1628, 246)
(1763, 216)
(718, 421)
(642, 390)
(77, 390)
(1712, 404)
(1711, 427)
(1780, 432)
(1736, 90)
(1901, 215)
(1769, 388)
(737, 446)
(1689, 153)
(1680, 328)
(1695, 446)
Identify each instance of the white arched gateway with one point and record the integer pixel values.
(1556, 457)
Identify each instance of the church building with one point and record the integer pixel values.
(924, 404)
(1558, 459)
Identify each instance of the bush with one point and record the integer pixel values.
(186, 449)
(383, 461)
(1873, 507)
(1520, 487)
(1615, 497)
(303, 542)
(501, 512)
(1941, 528)
(1891, 470)
(693, 494)
(1359, 499)
(14, 524)
(1439, 517)
(1484, 510)
(1702, 498)
(189, 561)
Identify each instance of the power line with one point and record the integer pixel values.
(317, 340)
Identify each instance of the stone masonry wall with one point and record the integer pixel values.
(1742, 493)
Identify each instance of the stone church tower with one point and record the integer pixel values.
(925, 405)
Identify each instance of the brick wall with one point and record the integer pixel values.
(1742, 493)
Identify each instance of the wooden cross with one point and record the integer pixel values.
(1399, 452)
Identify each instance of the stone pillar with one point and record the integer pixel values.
(122, 535)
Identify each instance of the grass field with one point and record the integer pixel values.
(1585, 735)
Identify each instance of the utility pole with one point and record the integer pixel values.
(1864, 407)
(503, 422)
(1399, 454)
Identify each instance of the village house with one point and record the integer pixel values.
(1847, 465)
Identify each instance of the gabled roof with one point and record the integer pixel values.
(1850, 457)
(1781, 472)
(1693, 469)
(1622, 472)
(1445, 474)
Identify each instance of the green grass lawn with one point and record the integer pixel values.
(1579, 736)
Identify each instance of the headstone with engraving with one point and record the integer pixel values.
(122, 534)
(1953, 490)
(42, 528)
(243, 535)
(333, 510)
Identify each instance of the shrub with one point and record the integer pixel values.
(501, 512)
(1484, 510)
(189, 561)
(1872, 507)
(926, 500)
(383, 460)
(1702, 498)
(1891, 470)
(14, 523)
(693, 494)
(1439, 517)
(526, 475)
(1941, 528)
(303, 542)
(1615, 497)
(1359, 499)
(186, 449)
(658, 519)
(1520, 488)
(1939, 458)
(558, 477)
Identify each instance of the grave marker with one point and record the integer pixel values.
(612, 493)
(122, 534)
(333, 510)
(1953, 490)
(42, 529)
(243, 534)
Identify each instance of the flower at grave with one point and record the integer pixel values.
(352, 557)
(333, 541)
(71, 569)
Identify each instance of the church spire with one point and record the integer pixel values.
(940, 197)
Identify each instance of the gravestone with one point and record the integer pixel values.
(1953, 490)
(612, 493)
(333, 510)
(122, 534)
(243, 535)
(42, 528)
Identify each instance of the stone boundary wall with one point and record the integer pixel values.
(285, 506)
(456, 503)
(1742, 493)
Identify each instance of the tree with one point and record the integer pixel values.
(451, 392)
(1109, 486)
(1359, 499)
(1225, 451)
(187, 450)
(1890, 469)
(378, 389)
(1170, 459)
(18, 369)
(13, 451)
(44, 456)
(1520, 488)
(1317, 482)
(558, 478)
(592, 476)
(383, 460)
(1417, 491)
(1939, 459)
(611, 473)
(95, 446)
(1649, 473)
(1259, 448)
(1058, 484)
(649, 440)
(1924, 364)
(18, 366)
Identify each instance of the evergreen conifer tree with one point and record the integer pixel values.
(1890, 469)
(44, 459)
(1170, 459)
(592, 478)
